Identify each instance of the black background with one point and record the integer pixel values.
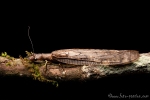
(54, 27)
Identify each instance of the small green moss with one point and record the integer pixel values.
(8, 64)
(34, 69)
(4, 54)
(29, 53)
(37, 75)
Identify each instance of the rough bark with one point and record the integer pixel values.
(62, 72)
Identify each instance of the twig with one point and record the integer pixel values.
(23, 67)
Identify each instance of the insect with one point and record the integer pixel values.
(87, 56)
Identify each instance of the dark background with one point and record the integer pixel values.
(53, 28)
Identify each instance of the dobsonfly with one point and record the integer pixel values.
(88, 56)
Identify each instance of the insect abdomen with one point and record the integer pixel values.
(77, 62)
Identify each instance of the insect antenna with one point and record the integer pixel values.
(31, 41)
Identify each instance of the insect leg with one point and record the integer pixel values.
(61, 66)
(45, 65)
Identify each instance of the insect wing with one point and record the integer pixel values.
(95, 56)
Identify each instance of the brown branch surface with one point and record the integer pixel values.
(62, 72)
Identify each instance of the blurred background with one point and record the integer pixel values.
(53, 28)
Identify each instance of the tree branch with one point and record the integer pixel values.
(61, 72)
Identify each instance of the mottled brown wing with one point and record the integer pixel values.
(95, 56)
